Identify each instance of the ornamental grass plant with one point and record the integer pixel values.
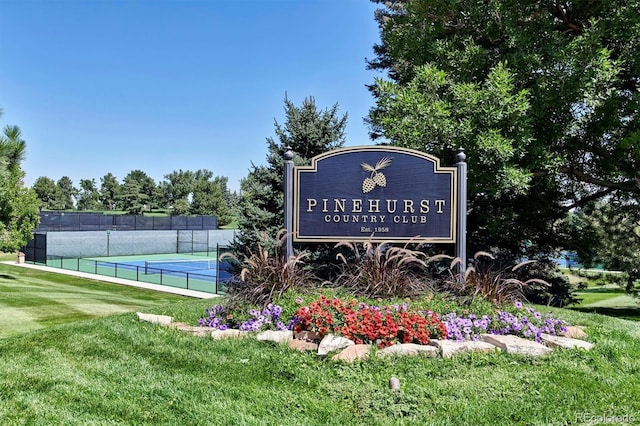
(266, 274)
(485, 279)
(383, 270)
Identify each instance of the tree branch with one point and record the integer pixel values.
(569, 26)
(581, 202)
(627, 185)
(583, 177)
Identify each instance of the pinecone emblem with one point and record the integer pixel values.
(377, 178)
(368, 185)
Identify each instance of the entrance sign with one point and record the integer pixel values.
(374, 193)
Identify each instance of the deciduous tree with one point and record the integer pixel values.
(209, 197)
(543, 96)
(88, 195)
(177, 188)
(47, 192)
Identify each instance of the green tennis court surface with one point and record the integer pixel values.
(193, 272)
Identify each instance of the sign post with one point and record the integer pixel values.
(288, 201)
(461, 235)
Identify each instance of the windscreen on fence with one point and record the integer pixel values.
(193, 242)
(81, 221)
(110, 243)
(36, 249)
(125, 243)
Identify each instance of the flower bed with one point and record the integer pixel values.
(387, 325)
(218, 318)
(362, 323)
(527, 323)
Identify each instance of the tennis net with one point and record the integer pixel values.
(177, 265)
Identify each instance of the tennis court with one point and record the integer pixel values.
(175, 270)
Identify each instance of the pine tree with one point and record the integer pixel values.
(308, 132)
(18, 204)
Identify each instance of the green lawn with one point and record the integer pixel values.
(32, 299)
(117, 370)
(609, 299)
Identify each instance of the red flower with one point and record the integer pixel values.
(365, 324)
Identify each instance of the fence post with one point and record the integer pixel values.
(288, 200)
(461, 231)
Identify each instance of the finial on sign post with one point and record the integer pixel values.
(461, 156)
(288, 155)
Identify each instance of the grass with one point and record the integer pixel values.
(232, 225)
(32, 299)
(608, 299)
(117, 370)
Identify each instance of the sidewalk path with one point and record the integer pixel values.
(122, 281)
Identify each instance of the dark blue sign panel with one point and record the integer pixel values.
(374, 193)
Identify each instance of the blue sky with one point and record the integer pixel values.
(101, 86)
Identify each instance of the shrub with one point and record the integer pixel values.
(582, 285)
(557, 290)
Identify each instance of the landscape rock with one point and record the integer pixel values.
(408, 349)
(449, 348)
(331, 343)
(575, 332)
(155, 319)
(278, 336)
(302, 345)
(516, 345)
(352, 353)
(309, 336)
(197, 330)
(565, 342)
(228, 333)
(394, 384)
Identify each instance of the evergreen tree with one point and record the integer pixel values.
(133, 200)
(308, 132)
(138, 192)
(18, 204)
(607, 233)
(109, 191)
(66, 193)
